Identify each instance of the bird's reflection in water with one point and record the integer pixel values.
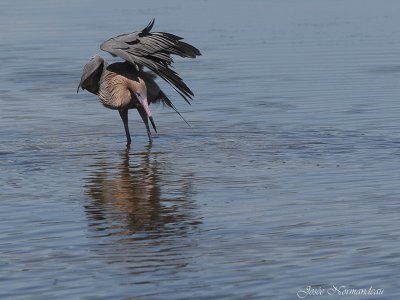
(140, 209)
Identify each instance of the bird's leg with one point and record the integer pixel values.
(145, 119)
(124, 116)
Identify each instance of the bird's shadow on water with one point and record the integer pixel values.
(138, 209)
(139, 194)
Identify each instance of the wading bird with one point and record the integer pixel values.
(126, 85)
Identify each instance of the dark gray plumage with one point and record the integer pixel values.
(125, 85)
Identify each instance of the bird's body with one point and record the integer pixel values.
(117, 83)
(125, 85)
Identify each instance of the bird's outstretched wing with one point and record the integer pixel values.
(153, 50)
(91, 74)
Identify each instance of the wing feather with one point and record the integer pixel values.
(91, 74)
(153, 51)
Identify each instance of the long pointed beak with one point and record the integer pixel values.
(77, 90)
(153, 124)
(143, 102)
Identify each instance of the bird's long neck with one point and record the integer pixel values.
(119, 87)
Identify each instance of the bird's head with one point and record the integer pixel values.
(140, 95)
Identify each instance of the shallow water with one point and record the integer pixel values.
(288, 176)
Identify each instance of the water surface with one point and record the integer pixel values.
(287, 177)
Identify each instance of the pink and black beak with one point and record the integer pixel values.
(145, 105)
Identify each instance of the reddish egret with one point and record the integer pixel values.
(125, 85)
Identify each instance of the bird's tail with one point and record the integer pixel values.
(166, 101)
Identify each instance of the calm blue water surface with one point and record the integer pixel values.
(288, 176)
